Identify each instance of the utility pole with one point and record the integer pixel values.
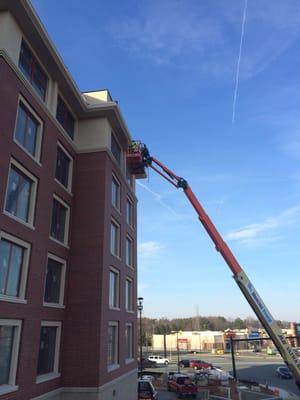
(232, 357)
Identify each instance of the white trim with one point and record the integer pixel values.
(37, 156)
(4, 389)
(68, 188)
(32, 196)
(117, 272)
(67, 221)
(129, 359)
(115, 365)
(132, 308)
(15, 353)
(24, 268)
(63, 263)
(118, 206)
(130, 255)
(55, 373)
(118, 254)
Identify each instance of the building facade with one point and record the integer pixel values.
(67, 227)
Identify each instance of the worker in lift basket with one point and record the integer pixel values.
(134, 147)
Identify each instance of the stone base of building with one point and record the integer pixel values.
(122, 388)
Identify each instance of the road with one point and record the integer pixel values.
(249, 366)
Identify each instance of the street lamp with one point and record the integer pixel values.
(140, 309)
(177, 347)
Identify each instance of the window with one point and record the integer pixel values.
(21, 193)
(48, 359)
(60, 220)
(55, 281)
(9, 348)
(129, 341)
(128, 295)
(115, 193)
(116, 149)
(64, 117)
(115, 239)
(129, 212)
(64, 168)
(14, 257)
(129, 177)
(113, 289)
(28, 130)
(32, 70)
(129, 251)
(113, 341)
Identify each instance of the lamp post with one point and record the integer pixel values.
(178, 354)
(140, 309)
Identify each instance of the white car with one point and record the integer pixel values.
(217, 373)
(159, 360)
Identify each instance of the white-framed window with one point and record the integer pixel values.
(116, 150)
(116, 193)
(128, 295)
(10, 333)
(115, 233)
(14, 261)
(21, 193)
(49, 351)
(28, 129)
(55, 281)
(113, 345)
(129, 212)
(64, 167)
(65, 117)
(129, 251)
(60, 221)
(129, 341)
(114, 288)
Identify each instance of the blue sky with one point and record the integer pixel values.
(172, 66)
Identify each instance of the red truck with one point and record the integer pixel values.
(182, 385)
(199, 364)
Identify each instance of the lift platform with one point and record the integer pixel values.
(137, 159)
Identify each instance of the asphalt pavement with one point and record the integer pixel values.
(249, 366)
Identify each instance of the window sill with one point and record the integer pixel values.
(8, 389)
(54, 305)
(130, 311)
(67, 189)
(47, 377)
(28, 224)
(116, 256)
(12, 299)
(34, 158)
(58, 242)
(114, 308)
(130, 266)
(129, 360)
(113, 367)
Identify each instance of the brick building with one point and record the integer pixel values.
(67, 227)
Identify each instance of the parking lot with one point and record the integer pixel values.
(249, 366)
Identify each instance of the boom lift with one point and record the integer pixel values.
(139, 159)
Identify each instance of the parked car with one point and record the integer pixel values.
(146, 390)
(284, 373)
(182, 385)
(218, 374)
(184, 363)
(199, 364)
(159, 360)
(147, 363)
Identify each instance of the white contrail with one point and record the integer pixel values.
(157, 197)
(238, 63)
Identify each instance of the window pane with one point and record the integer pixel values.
(6, 346)
(114, 239)
(129, 214)
(113, 289)
(62, 167)
(128, 295)
(128, 251)
(53, 281)
(15, 266)
(18, 194)
(58, 222)
(47, 350)
(112, 355)
(116, 149)
(129, 341)
(32, 70)
(26, 129)
(64, 117)
(115, 194)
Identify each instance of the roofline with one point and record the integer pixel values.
(29, 16)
